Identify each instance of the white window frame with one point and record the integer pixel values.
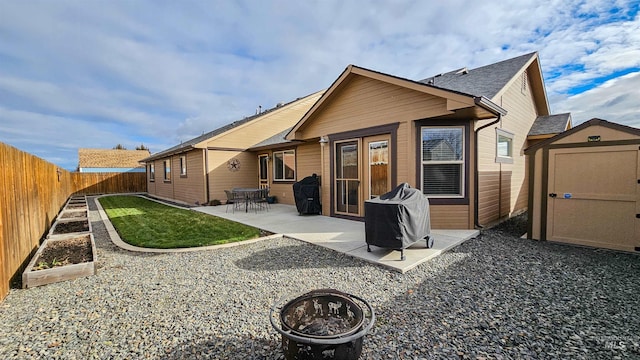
(275, 173)
(152, 172)
(183, 165)
(501, 157)
(167, 170)
(461, 162)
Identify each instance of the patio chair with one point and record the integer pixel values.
(234, 200)
(261, 198)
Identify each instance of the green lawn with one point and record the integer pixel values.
(146, 223)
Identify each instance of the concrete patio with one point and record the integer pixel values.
(341, 235)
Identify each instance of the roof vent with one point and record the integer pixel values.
(463, 71)
(279, 104)
(259, 109)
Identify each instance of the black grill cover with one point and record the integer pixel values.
(397, 219)
(306, 193)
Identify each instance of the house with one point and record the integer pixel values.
(111, 160)
(458, 136)
(199, 170)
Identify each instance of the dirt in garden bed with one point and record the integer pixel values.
(73, 214)
(71, 227)
(74, 250)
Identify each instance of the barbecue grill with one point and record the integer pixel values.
(306, 193)
(397, 219)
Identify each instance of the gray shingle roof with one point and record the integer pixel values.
(277, 139)
(550, 125)
(484, 81)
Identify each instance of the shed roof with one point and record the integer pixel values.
(110, 158)
(584, 125)
(550, 124)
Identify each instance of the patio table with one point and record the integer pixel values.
(247, 193)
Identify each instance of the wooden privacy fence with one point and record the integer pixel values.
(32, 192)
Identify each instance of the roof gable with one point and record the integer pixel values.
(110, 158)
(455, 99)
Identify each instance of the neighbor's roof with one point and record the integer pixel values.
(484, 81)
(550, 124)
(188, 145)
(110, 158)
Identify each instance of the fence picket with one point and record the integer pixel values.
(31, 194)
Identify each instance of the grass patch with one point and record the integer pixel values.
(146, 223)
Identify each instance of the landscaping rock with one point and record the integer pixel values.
(494, 297)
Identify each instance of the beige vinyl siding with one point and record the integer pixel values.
(164, 188)
(503, 187)
(365, 102)
(308, 160)
(449, 216)
(221, 178)
(189, 189)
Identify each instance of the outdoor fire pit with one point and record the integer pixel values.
(322, 324)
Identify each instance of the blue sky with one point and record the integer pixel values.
(78, 74)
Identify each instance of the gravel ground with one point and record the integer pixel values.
(494, 297)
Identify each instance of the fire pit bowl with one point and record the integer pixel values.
(322, 324)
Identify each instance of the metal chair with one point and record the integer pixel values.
(232, 199)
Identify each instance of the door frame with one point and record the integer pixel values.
(390, 129)
(366, 163)
(263, 183)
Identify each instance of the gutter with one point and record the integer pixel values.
(500, 112)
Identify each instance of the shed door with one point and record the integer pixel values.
(594, 196)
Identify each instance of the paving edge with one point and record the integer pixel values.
(116, 240)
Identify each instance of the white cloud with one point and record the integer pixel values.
(160, 72)
(615, 100)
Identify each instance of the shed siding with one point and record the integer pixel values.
(503, 187)
(605, 133)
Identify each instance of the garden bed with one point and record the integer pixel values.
(73, 214)
(76, 206)
(70, 227)
(61, 258)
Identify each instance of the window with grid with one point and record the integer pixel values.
(443, 161)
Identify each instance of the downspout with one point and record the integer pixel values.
(487, 105)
